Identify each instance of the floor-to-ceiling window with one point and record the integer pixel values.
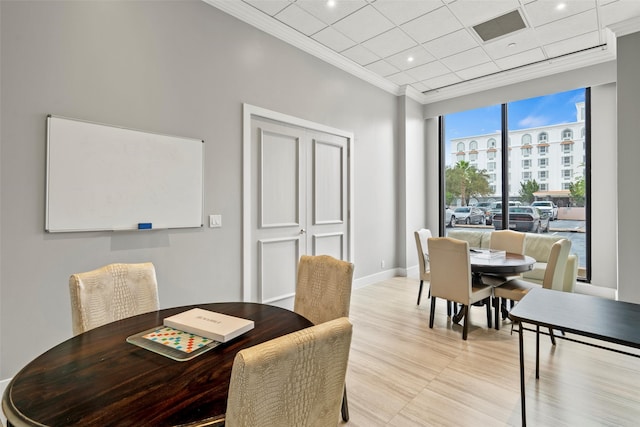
(543, 163)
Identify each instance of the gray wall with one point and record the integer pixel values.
(175, 67)
(412, 180)
(627, 167)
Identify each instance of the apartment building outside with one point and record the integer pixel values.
(553, 156)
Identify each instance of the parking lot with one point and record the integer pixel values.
(572, 230)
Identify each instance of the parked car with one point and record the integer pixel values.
(448, 217)
(524, 218)
(549, 207)
(488, 215)
(468, 215)
(497, 206)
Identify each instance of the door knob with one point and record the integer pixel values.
(303, 231)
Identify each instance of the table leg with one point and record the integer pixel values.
(522, 398)
(537, 351)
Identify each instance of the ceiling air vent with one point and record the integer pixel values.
(500, 26)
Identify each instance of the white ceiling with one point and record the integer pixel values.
(374, 39)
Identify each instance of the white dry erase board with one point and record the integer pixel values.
(102, 177)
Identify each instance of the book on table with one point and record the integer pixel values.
(209, 324)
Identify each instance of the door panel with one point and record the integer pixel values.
(328, 180)
(279, 193)
(329, 244)
(278, 210)
(327, 226)
(278, 267)
(299, 204)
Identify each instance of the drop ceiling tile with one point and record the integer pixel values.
(419, 86)
(572, 26)
(360, 55)
(383, 68)
(301, 20)
(381, 34)
(544, 12)
(327, 14)
(401, 11)
(573, 44)
(519, 59)
(270, 7)
(432, 25)
(389, 43)
(475, 12)
(442, 81)
(524, 40)
(450, 44)
(401, 78)
(419, 54)
(363, 24)
(466, 59)
(478, 71)
(333, 39)
(427, 71)
(619, 11)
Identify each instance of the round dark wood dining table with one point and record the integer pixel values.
(99, 379)
(508, 264)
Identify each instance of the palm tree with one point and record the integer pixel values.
(465, 181)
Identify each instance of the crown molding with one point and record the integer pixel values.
(260, 20)
(628, 26)
(413, 93)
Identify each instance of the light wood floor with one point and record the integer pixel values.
(401, 373)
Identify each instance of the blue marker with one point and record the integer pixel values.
(144, 226)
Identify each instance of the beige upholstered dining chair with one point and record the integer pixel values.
(111, 293)
(422, 236)
(451, 278)
(293, 380)
(508, 240)
(323, 293)
(516, 289)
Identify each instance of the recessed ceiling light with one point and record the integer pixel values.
(331, 3)
(561, 6)
(410, 59)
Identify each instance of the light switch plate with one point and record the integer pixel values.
(215, 221)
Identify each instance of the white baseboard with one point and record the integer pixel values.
(377, 277)
(385, 275)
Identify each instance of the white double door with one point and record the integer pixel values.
(300, 204)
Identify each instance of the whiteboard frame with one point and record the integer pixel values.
(52, 227)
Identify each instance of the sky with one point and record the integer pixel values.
(533, 112)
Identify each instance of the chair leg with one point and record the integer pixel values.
(420, 291)
(449, 309)
(433, 309)
(345, 406)
(487, 302)
(504, 310)
(496, 311)
(465, 327)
